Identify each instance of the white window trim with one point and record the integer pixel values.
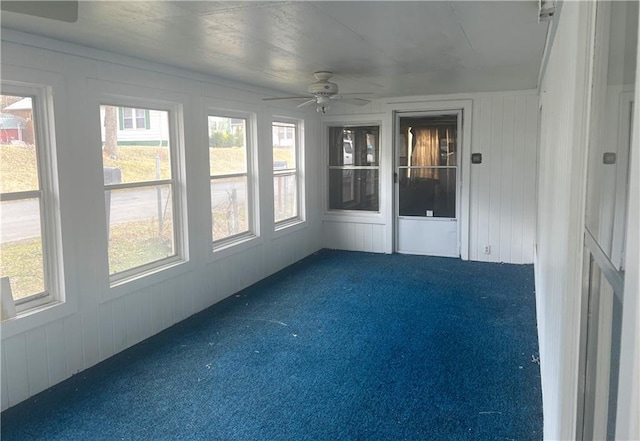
(47, 194)
(245, 238)
(177, 181)
(298, 171)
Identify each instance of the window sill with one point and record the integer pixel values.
(288, 226)
(240, 244)
(145, 279)
(36, 317)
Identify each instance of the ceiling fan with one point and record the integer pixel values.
(322, 92)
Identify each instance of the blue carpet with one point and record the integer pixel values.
(341, 346)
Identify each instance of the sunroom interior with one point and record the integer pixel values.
(515, 118)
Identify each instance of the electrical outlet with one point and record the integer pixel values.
(487, 249)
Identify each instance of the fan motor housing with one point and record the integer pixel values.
(323, 88)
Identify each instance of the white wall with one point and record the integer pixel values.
(561, 191)
(97, 321)
(501, 193)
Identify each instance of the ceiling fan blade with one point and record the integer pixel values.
(354, 101)
(356, 93)
(286, 98)
(306, 103)
(58, 10)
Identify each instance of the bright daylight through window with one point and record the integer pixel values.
(285, 172)
(139, 185)
(230, 186)
(25, 241)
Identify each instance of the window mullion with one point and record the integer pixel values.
(19, 195)
(230, 175)
(140, 184)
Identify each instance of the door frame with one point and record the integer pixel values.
(464, 152)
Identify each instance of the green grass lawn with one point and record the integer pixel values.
(132, 244)
(22, 261)
(17, 169)
(138, 163)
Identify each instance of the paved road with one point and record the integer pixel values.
(20, 219)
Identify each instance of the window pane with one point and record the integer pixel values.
(229, 207)
(140, 226)
(127, 115)
(21, 247)
(353, 146)
(284, 146)
(140, 119)
(135, 156)
(18, 162)
(428, 141)
(353, 189)
(227, 145)
(285, 198)
(428, 192)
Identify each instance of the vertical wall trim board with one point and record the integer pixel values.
(506, 189)
(4, 390)
(73, 344)
(105, 327)
(90, 337)
(15, 357)
(119, 319)
(57, 352)
(37, 360)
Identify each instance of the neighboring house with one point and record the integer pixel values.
(12, 128)
(16, 124)
(225, 125)
(140, 126)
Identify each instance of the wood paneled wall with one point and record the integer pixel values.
(98, 321)
(503, 187)
(502, 190)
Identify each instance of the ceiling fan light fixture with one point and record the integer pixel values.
(321, 93)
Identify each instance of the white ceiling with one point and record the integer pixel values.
(390, 48)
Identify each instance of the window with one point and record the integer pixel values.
(27, 220)
(140, 192)
(134, 119)
(285, 172)
(354, 168)
(230, 183)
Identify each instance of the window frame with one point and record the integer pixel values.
(346, 126)
(176, 182)
(47, 194)
(298, 138)
(250, 174)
